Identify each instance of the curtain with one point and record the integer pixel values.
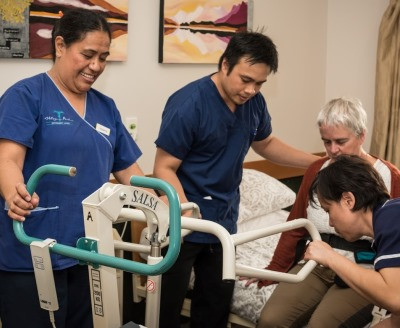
(385, 142)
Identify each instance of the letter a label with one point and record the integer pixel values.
(89, 217)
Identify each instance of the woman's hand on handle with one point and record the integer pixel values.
(319, 251)
(21, 203)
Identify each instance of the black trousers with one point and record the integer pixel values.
(211, 296)
(19, 302)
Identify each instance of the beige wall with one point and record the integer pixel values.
(326, 48)
(352, 39)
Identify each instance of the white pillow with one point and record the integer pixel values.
(262, 194)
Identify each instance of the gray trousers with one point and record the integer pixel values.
(316, 300)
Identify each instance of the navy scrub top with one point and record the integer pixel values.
(199, 129)
(35, 113)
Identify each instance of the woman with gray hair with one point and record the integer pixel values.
(322, 298)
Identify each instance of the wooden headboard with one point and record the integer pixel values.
(275, 170)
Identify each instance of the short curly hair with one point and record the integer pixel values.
(347, 112)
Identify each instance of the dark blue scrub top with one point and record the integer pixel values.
(198, 128)
(34, 113)
(386, 225)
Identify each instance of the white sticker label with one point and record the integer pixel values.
(102, 129)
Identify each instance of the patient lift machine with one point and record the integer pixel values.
(101, 210)
(112, 203)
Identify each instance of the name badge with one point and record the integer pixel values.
(102, 129)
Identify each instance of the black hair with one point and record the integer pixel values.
(257, 47)
(350, 173)
(75, 23)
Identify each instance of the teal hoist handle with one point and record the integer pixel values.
(103, 259)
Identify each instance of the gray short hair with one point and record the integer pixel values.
(348, 112)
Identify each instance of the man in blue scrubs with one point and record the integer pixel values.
(207, 129)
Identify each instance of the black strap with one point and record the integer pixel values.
(335, 242)
(341, 243)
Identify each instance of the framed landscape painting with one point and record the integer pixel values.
(197, 31)
(26, 25)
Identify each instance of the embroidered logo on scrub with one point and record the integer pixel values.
(58, 119)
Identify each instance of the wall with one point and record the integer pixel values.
(296, 92)
(352, 38)
(326, 48)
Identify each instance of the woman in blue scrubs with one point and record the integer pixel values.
(354, 195)
(57, 118)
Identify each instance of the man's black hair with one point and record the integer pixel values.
(254, 46)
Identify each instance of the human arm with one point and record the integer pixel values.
(165, 167)
(277, 151)
(395, 179)
(12, 187)
(124, 176)
(380, 287)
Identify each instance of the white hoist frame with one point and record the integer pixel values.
(106, 206)
(101, 210)
(102, 205)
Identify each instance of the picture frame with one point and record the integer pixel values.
(198, 31)
(26, 25)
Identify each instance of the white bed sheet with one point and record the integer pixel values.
(248, 301)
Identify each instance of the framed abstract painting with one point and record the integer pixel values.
(198, 31)
(26, 25)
